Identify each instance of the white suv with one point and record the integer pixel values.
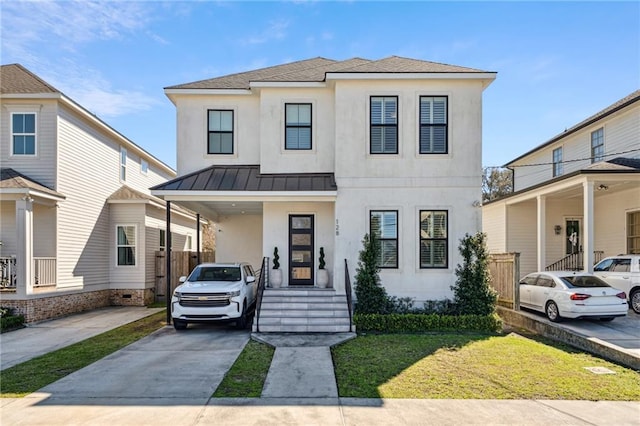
(215, 292)
(623, 272)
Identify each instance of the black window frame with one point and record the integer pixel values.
(220, 132)
(383, 125)
(298, 126)
(422, 125)
(381, 240)
(445, 239)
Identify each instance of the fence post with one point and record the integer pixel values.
(516, 281)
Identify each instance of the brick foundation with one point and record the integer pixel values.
(54, 306)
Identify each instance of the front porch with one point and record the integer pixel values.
(44, 273)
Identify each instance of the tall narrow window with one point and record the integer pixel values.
(383, 225)
(557, 162)
(384, 125)
(297, 126)
(144, 167)
(126, 245)
(433, 125)
(434, 241)
(597, 145)
(123, 164)
(633, 233)
(163, 239)
(23, 129)
(220, 139)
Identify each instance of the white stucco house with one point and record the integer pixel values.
(576, 197)
(318, 153)
(78, 225)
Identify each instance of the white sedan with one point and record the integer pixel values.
(568, 294)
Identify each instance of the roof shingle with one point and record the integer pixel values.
(15, 78)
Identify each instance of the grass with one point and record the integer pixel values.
(29, 376)
(246, 377)
(475, 367)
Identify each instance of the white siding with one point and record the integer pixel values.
(132, 277)
(494, 221)
(44, 230)
(610, 212)
(42, 167)
(621, 132)
(180, 229)
(8, 228)
(521, 234)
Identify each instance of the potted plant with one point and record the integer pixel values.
(276, 273)
(323, 275)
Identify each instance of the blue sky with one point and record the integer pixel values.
(557, 62)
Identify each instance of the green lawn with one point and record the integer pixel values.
(29, 376)
(246, 377)
(473, 366)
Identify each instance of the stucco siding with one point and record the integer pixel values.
(42, 166)
(192, 131)
(239, 239)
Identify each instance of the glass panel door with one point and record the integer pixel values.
(573, 243)
(301, 250)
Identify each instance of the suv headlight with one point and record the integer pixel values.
(234, 293)
(177, 295)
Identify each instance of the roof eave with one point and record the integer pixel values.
(411, 75)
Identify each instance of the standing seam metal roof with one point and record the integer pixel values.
(248, 178)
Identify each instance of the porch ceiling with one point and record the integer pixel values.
(214, 209)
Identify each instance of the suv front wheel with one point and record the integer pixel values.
(179, 324)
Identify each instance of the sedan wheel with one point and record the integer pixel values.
(552, 311)
(635, 301)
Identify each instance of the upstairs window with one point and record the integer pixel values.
(23, 134)
(144, 167)
(297, 126)
(433, 125)
(434, 241)
(597, 145)
(220, 125)
(384, 225)
(126, 245)
(557, 162)
(384, 125)
(123, 164)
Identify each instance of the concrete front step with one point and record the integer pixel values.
(303, 310)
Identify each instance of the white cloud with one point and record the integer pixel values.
(277, 30)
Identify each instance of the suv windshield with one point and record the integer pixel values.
(584, 281)
(216, 273)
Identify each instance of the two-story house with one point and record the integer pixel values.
(318, 153)
(576, 197)
(78, 225)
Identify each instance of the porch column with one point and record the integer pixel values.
(24, 255)
(587, 234)
(542, 243)
(198, 238)
(168, 272)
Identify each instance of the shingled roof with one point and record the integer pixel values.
(11, 179)
(316, 69)
(248, 178)
(15, 78)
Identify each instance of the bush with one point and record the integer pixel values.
(371, 297)
(9, 320)
(473, 294)
(413, 323)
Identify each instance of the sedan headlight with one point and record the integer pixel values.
(233, 293)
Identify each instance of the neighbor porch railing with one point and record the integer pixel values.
(44, 269)
(573, 262)
(263, 281)
(347, 289)
(44, 272)
(8, 272)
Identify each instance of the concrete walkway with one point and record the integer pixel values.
(47, 336)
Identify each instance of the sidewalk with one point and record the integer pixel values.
(47, 336)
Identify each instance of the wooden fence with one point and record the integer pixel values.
(505, 278)
(182, 263)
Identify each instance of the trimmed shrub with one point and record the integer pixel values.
(371, 297)
(416, 323)
(9, 320)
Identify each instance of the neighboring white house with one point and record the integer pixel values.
(318, 153)
(576, 197)
(78, 225)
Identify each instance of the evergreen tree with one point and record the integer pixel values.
(371, 296)
(473, 294)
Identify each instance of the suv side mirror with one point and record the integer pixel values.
(182, 279)
(251, 279)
